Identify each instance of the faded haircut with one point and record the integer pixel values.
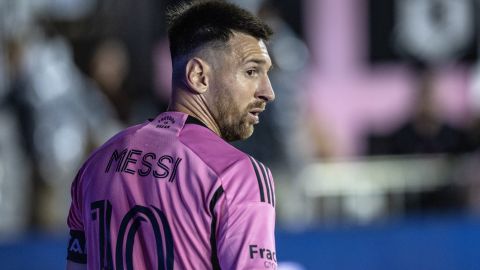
(209, 24)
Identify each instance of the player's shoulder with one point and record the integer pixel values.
(243, 178)
(120, 138)
(210, 148)
(249, 180)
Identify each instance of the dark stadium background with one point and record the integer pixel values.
(373, 138)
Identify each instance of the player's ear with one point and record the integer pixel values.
(197, 73)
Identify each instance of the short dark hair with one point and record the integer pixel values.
(201, 22)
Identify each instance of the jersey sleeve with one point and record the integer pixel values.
(76, 250)
(246, 218)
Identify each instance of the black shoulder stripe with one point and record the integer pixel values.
(215, 198)
(260, 187)
(265, 180)
(271, 185)
(213, 239)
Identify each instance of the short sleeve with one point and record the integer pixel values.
(246, 219)
(76, 250)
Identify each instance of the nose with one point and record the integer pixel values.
(265, 90)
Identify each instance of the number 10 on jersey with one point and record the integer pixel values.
(132, 221)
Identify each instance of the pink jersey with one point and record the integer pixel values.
(171, 194)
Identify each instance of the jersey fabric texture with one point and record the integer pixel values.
(171, 194)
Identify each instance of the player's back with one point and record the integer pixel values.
(146, 198)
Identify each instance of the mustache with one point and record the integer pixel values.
(257, 105)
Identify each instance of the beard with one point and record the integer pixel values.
(234, 122)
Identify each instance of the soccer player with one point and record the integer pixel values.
(171, 193)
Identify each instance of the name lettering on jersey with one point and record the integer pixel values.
(126, 160)
(266, 254)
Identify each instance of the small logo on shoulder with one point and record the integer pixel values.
(165, 122)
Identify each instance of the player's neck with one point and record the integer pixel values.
(193, 105)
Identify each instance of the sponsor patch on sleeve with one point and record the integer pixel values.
(268, 256)
(76, 247)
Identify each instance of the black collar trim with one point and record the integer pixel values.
(196, 121)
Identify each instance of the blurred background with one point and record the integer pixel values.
(373, 139)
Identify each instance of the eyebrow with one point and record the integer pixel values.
(259, 61)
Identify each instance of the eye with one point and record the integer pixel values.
(251, 72)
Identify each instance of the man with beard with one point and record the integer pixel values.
(171, 193)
